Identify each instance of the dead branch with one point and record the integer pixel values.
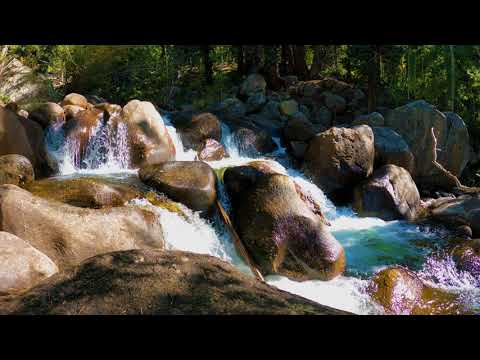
(448, 174)
(238, 242)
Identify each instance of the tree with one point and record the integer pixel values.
(301, 69)
(207, 63)
(271, 67)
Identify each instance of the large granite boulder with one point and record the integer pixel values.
(390, 148)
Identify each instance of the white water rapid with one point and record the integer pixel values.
(370, 243)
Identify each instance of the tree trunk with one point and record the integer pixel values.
(301, 69)
(317, 64)
(372, 81)
(271, 69)
(207, 63)
(240, 60)
(252, 59)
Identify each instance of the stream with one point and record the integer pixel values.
(370, 244)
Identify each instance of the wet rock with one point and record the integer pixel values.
(152, 282)
(71, 111)
(390, 148)
(48, 114)
(414, 122)
(202, 127)
(253, 143)
(279, 226)
(402, 292)
(69, 234)
(389, 194)
(79, 131)
(85, 192)
(147, 136)
(464, 232)
(272, 126)
(190, 182)
(463, 210)
(21, 265)
(212, 150)
(340, 158)
(75, 99)
(298, 149)
(16, 170)
(22, 136)
(467, 258)
(111, 109)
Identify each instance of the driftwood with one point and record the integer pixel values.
(448, 174)
(238, 242)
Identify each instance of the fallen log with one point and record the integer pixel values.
(238, 242)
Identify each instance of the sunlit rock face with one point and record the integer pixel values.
(69, 234)
(21, 265)
(280, 228)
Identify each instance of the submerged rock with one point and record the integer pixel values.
(16, 170)
(193, 183)
(253, 143)
(21, 265)
(339, 158)
(68, 234)
(389, 194)
(463, 210)
(284, 233)
(150, 282)
(402, 292)
(467, 258)
(86, 192)
(212, 150)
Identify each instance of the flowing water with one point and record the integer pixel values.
(370, 244)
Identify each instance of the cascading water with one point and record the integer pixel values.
(370, 243)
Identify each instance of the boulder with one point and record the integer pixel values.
(298, 128)
(270, 125)
(86, 192)
(414, 122)
(22, 136)
(255, 103)
(252, 143)
(211, 150)
(298, 149)
(69, 234)
(334, 102)
(281, 227)
(271, 110)
(389, 194)
(402, 292)
(463, 210)
(192, 183)
(340, 158)
(152, 282)
(148, 139)
(390, 148)
(322, 116)
(48, 114)
(288, 107)
(253, 84)
(21, 265)
(16, 170)
(202, 127)
(230, 110)
(373, 119)
(75, 99)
